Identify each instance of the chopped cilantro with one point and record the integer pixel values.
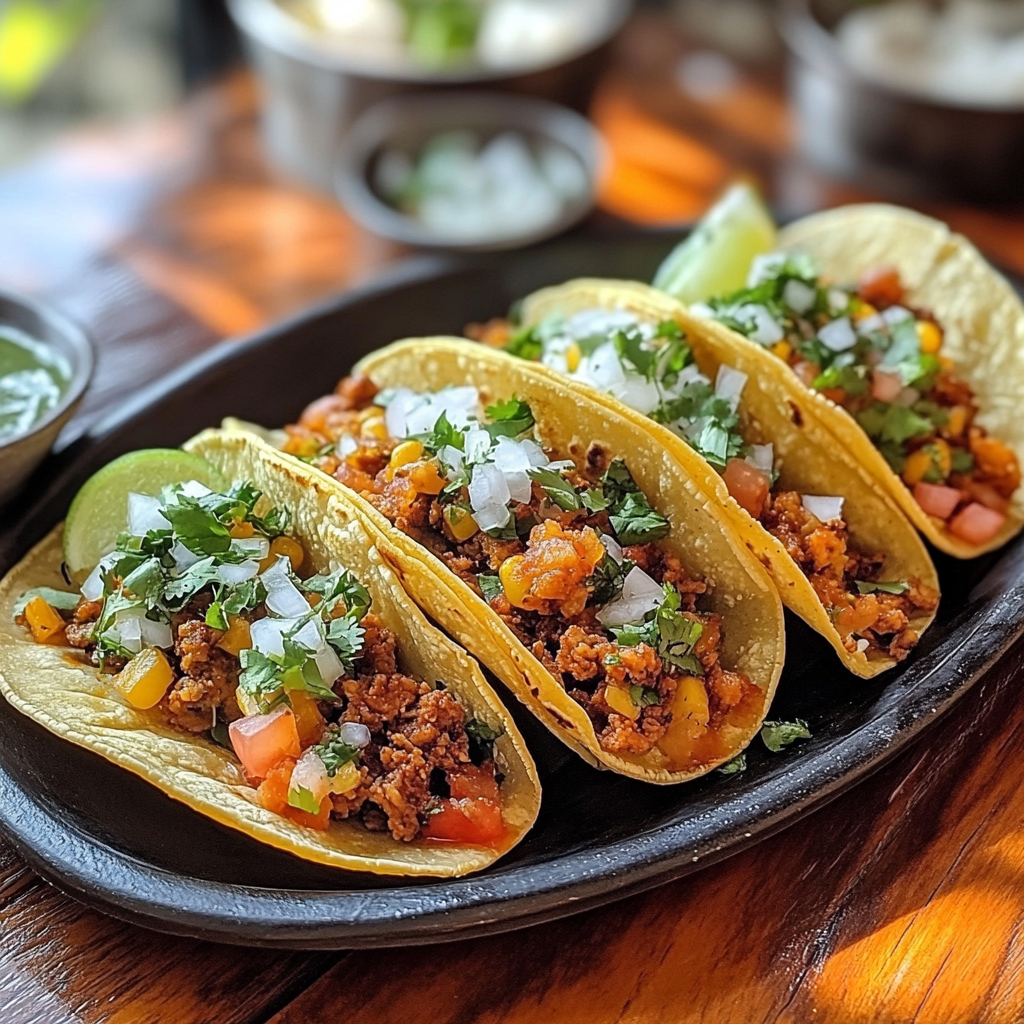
(777, 735)
(346, 635)
(525, 344)
(339, 585)
(481, 740)
(735, 766)
(635, 522)
(671, 633)
(605, 584)
(490, 587)
(895, 587)
(557, 488)
(508, 419)
(335, 753)
(442, 436)
(644, 696)
(962, 461)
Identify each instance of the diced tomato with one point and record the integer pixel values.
(881, 286)
(273, 795)
(261, 741)
(987, 495)
(748, 485)
(976, 524)
(472, 782)
(936, 500)
(885, 387)
(474, 822)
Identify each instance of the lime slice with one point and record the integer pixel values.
(715, 258)
(100, 509)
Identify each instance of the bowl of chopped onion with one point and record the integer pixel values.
(470, 171)
(322, 62)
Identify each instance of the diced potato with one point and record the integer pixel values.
(237, 638)
(515, 588)
(44, 621)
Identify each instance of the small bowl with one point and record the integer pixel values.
(311, 93)
(407, 123)
(903, 145)
(20, 455)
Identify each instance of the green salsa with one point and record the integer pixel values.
(33, 378)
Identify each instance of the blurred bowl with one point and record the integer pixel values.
(406, 123)
(311, 92)
(894, 142)
(20, 455)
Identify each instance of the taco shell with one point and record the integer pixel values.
(56, 687)
(981, 314)
(701, 536)
(777, 409)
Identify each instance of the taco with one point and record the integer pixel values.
(250, 654)
(559, 544)
(917, 346)
(841, 553)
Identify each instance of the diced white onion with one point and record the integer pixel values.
(253, 547)
(492, 517)
(329, 664)
(896, 314)
(838, 335)
(612, 546)
(762, 456)
(640, 595)
(267, 634)
(459, 404)
(822, 507)
(156, 634)
(534, 453)
(453, 459)
(130, 629)
(510, 456)
(764, 328)
(729, 384)
(183, 558)
(403, 401)
(355, 734)
(92, 588)
(870, 324)
(702, 310)
(283, 597)
(862, 646)
(478, 444)
(798, 296)
(144, 515)
(638, 393)
(233, 574)
(765, 268)
(488, 488)
(837, 300)
(592, 323)
(603, 368)
(311, 636)
(309, 773)
(347, 445)
(194, 489)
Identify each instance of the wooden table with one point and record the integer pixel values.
(901, 901)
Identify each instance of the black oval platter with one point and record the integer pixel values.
(118, 844)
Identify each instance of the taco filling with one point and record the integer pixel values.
(650, 367)
(203, 612)
(571, 562)
(881, 359)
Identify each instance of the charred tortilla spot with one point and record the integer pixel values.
(794, 414)
(559, 718)
(535, 691)
(597, 458)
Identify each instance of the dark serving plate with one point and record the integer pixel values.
(115, 842)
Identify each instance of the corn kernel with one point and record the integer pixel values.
(405, 454)
(43, 620)
(917, 465)
(236, 638)
(929, 335)
(145, 679)
(460, 522)
(426, 478)
(619, 701)
(957, 422)
(573, 355)
(246, 704)
(942, 456)
(347, 779)
(375, 427)
(864, 310)
(291, 549)
(515, 589)
(782, 349)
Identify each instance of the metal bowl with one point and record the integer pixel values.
(311, 93)
(20, 455)
(890, 141)
(407, 123)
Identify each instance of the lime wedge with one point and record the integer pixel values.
(715, 258)
(100, 509)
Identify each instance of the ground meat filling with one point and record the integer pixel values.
(823, 554)
(419, 740)
(549, 569)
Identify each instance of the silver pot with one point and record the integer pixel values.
(312, 93)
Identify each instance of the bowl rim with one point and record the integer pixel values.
(272, 26)
(815, 44)
(78, 341)
(370, 131)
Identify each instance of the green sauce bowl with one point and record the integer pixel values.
(59, 343)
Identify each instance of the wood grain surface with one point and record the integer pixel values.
(901, 901)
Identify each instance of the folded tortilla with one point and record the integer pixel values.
(775, 408)
(706, 541)
(57, 688)
(981, 315)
